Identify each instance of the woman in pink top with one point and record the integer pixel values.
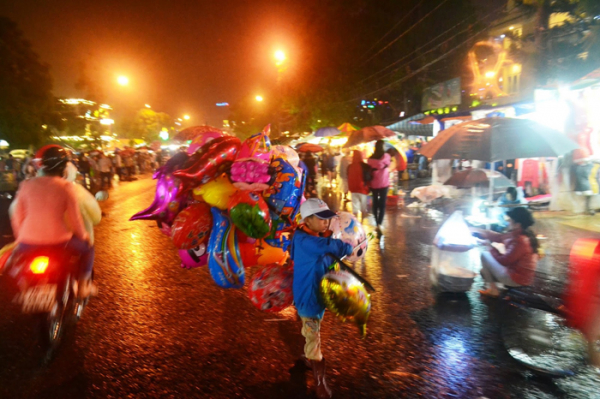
(47, 214)
(379, 162)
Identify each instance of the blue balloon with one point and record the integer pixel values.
(285, 193)
(222, 272)
(277, 238)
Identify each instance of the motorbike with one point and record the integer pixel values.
(537, 330)
(43, 282)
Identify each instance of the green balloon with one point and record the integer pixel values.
(250, 219)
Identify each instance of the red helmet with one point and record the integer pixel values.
(54, 158)
(41, 151)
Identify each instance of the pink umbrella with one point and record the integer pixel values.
(368, 134)
(308, 147)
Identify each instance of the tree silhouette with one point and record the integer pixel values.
(25, 89)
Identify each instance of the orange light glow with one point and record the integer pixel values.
(123, 80)
(280, 57)
(39, 265)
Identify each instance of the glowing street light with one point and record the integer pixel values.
(186, 117)
(164, 134)
(123, 80)
(147, 105)
(279, 57)
(259, 98)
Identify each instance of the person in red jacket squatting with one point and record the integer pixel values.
(311, 248)
(516, 267)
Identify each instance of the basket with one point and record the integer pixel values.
(453, 283)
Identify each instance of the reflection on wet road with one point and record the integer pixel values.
(157, 330)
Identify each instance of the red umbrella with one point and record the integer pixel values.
(191, 133)
(308, 147)
(368, 134)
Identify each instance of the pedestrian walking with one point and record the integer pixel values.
(104, 166)
(118, 161)
(129, 166)
(328, 166)
(359, 175)
(312, 250)
(311, 179)
(343, 172)
(84, 168)
(29, 171)
(379, 162)
(10, 163)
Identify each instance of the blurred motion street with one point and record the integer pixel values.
(157, 330)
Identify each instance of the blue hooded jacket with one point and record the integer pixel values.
(311, 263)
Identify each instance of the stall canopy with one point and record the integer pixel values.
(412, 129)
(498, 139)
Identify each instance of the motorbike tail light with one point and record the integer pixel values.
(39, 265)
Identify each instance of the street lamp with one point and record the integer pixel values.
(147, 105)
(259, 98)
(123, 80)
(279, 57)
(186, 117)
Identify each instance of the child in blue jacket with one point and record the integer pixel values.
(311, 246)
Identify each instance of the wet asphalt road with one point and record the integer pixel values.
(157, 330)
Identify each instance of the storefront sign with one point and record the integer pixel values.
(442, 95)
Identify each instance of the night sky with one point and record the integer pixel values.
(184, 56)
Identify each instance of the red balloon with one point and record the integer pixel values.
(211, 159)
(248, 253)
(271, 288)
(192, 226)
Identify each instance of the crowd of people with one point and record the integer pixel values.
(18, 167)
(357, 177)
(99, 169)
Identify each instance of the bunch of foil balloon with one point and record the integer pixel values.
(230, 205)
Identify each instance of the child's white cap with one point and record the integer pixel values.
(317, 207)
